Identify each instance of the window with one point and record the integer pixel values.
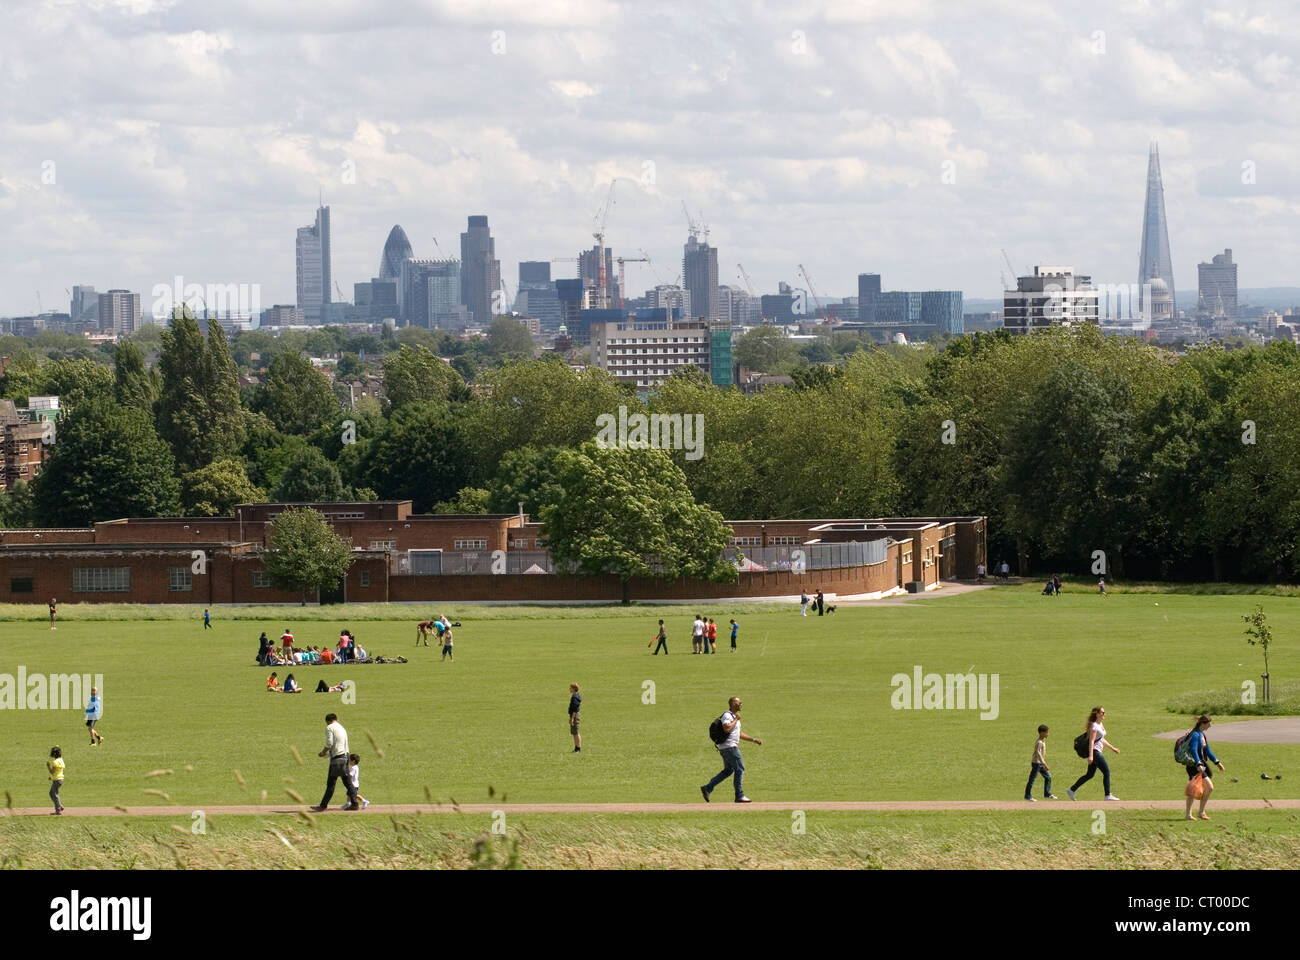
(180, 579)
(101, 579)
(20, 584)
(365, 578)
(746, 541)
(261, 579)
(521, 544)
(907, 557)
(388, 545)
(344, 516)
(471, 545)
(783, 541)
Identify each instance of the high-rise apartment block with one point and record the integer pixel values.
(646, 352)
(1053, 296)
(119, 312)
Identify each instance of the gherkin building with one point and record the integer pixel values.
(396, 249)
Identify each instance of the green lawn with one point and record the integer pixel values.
(816, 690)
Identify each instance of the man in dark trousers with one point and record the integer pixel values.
(663, 640)
(732, 764)
(575, 716)
(336, 748)
(821, 602)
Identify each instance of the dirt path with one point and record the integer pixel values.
(827, 806)
(1266, 730)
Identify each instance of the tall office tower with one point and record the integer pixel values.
(868, 296)
(589, 271)
(1216, 284)
(1053, 296)
(431, 293)
(537, 295)
(700, 278)
(119, 312)
(1154, 259)
(314, 268)
(396, 249)
(85, 303)
(534, 274)
(480, 271)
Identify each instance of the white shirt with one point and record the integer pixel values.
(354, 774)
(697, 628)
(336, 740)
(733, 738)
(1100, 732)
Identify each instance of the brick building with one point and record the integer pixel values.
(404, 557)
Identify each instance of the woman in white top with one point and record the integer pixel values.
(1096, 741)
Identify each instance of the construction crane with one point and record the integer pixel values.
(602, 293)
(339, 291)
(749, 284)
(438, 248)
(653, 269)
(1012, 269)
(813, 291)
(622, 278)
(696, 227)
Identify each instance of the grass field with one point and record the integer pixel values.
(818, 691)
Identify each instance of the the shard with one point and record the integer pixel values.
(1154, 260)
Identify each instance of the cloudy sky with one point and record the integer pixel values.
(144, 139)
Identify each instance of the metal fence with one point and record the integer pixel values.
(796, 558)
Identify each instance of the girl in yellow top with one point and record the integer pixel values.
(55, 766)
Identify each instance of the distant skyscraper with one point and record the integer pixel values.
(119, 312)
(431, 293)
(85, 303)
(868, 296)
(589, 271)
(314, 268)
(396, 249)
(1154, 259)
(534, 274)
(480, 271)
(943, 308)
(700, 278)
(1053, 296)
(1216, 284)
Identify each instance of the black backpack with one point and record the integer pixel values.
(1081, 744)
(717, 731)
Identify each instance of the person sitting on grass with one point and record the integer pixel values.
(359, 652)
(291, 685)
(272, 683)
(327, 655)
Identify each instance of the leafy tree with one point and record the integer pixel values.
(310, 478)
(215, 490)
(133, 385)
(472, 500)
(199, 414)
(507, 337)
(296, 397)
(109, 463)
(18, 507)
(629, 513)
(73, 380)
(1260, 634)
(527, 475)
(414, 375)
(420, 456)
(767, 349)
(304, 553)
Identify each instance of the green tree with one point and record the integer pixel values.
(415, 375)
(296, 397)
(527, 475)
(304, 553)
(73, 380)
(766, 349)
(509, 338)
(133, 385)
(420, 456)
(18, 507)
(630, 513)
(468, 500)
(310, 478)
(199, 414)
(108, 463)
(215, 490)
(1260, 634)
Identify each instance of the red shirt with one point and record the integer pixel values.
(327, 656)
(713, 631)
(286, 639)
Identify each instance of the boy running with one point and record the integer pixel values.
(94, 710)
(354, 777)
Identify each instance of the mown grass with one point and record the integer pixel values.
(1284, 701)
(1071, 838)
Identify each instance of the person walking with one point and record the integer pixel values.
(1096, 735)
(1037, 765)
(447, 644)
(94, 710)
(821, 602)
(979, 572)
(735, 629)
(54, 612)
(1056, 585)
(803, 604)
(1006, 572)
(575, 716)
(1199, 746)
(207, 620)
(336, 748)
(662, 637)
(729, 748)
(1101, 586)
(55, 766)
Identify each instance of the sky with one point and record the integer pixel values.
(141, 140)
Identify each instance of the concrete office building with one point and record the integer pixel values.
(430, 294)
(700, 278)
(646, 352)
(1053, 296)
(1217, 286)
(313, 257)
(868, 296)
(85, 304)
(480, 272)
(119, 312)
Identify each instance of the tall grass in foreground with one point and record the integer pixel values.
(1227, 702)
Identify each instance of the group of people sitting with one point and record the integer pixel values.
(347, 650)
(291, 685)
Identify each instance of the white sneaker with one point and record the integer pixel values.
(1069, 793)
(1032, 799)
(364, 804)
(1052, 796)
(1111, 796)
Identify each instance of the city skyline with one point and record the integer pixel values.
(796, 147)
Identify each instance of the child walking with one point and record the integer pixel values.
(1037, 765)
(354, 774)
(447, 646)
(55, 766)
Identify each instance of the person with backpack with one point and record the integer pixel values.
(726, 736)
(1088, 745)
(1193, 750)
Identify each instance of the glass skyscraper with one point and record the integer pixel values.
(1154, 259)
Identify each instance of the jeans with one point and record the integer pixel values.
(731, 764)
(1034, 771)
(1098, 763)
(339, 771)
(661, 645)
(55, 786)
